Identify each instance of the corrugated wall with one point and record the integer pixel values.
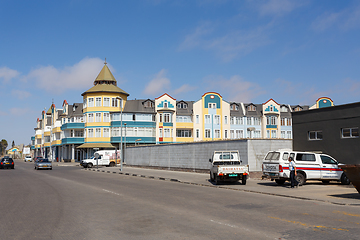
(196, 155)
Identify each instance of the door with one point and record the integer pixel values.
(329, 168)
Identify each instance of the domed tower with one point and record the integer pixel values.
(104, 97)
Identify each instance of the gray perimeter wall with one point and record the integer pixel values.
(196, 155)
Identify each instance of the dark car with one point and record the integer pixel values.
(7, 162)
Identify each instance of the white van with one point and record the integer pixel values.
(105, 158)
(309, 165)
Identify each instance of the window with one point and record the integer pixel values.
(97, 132)
(79, 133)
(91, 117)
(327, 160)
(197, 118)
(106, 117)
(212, 105)
(226, 134)
(232, 120)
(197, 133)
(98, 102)
(160, 117)
(283, 109)
(297, 109)
(305, 157)
(217, 119)
(248, 120)
(282, 134)
(148, 104)
(97, 117)
(165, 105)
(225, 119)
(232, 134)
(239, 134)
(257, 134)
(288, 134)
(114, 102)
(273, 133)
(106, 132)
(207, 119)
(106, 102)
(207, 133)
(267, 133)
(84, 105)
(283, 121)
(251, 108)
(235, 107)
(182, 105)
(256, 121)
(271, 120)
(350, 132)
(160, 132)
(315, 135)
(217, 133)
(91, 102)
(90, 132)
(167, 132)
(167, 117)
(183, 133)
(288, 122)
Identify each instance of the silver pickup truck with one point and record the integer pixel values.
(226, 166)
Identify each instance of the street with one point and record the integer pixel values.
(70, 202)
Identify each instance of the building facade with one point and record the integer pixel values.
(106, 118)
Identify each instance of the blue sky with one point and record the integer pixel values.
(248, 51)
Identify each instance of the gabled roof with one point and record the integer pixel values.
(105, 75)
(105, 88)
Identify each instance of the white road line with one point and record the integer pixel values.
(112, 192)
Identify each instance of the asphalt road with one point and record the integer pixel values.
(71, 203)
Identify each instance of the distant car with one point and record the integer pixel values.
(42, 163)
(7, 162)
(28, 159)
(37, 158)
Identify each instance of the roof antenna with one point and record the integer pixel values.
(105, 62)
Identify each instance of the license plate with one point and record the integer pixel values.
(272, 174)
(7, 163)
(232, 175)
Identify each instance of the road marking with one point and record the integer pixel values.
(348, 214)
(112, 192)
(225, 224)
(340, 220)
(308, 225)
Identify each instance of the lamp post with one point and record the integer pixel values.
(125, 142)
(121, 145)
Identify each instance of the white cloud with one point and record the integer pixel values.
(183, 89)
(235, 88)
(158, 85)
(279, 7)
(20, 94)
(57, 81)
(7, 74)
(195, 38)
(19, 111)
(344, 20)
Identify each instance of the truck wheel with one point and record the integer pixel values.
(211, 177)
(89, 165)
(216, 180)
(112, 164)
(243, 179)
(300, 178)
(344, 179)
(280, 181)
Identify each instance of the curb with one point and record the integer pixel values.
(228, 188)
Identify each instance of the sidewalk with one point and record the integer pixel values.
(334, 192)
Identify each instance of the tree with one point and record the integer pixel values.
(3, 146)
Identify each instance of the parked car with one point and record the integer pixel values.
(7, 162)
(42, 163)
(28, 159)
(309, 165)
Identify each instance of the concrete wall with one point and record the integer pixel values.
(196, 155)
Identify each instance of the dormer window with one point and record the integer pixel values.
(251, 108)
(284, 109)
(74, 108)
(182, 105)
(165, 105)
(297, 109)
(235, 107)
(148, 104)
(212, 105)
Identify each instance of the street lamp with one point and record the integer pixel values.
(121, 151)
(125, 142)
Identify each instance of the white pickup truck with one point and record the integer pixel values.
(226, 166)
(101, 158)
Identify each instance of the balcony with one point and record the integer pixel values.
(75, 125)
(73, 140)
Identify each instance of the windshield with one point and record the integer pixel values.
(272, 156)
(44, 160)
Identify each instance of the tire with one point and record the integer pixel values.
(112, 164)
(243, 179)
(344, 179)
(280, 181)
(211, 177)
(89, 165)
(216, 180)
(50, 168)
(300, 178)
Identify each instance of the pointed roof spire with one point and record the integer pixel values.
(105, 76)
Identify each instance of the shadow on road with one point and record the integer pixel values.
(347, 196)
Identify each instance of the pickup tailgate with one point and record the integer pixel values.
(233, 169)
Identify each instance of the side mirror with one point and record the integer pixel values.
(209, 159)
